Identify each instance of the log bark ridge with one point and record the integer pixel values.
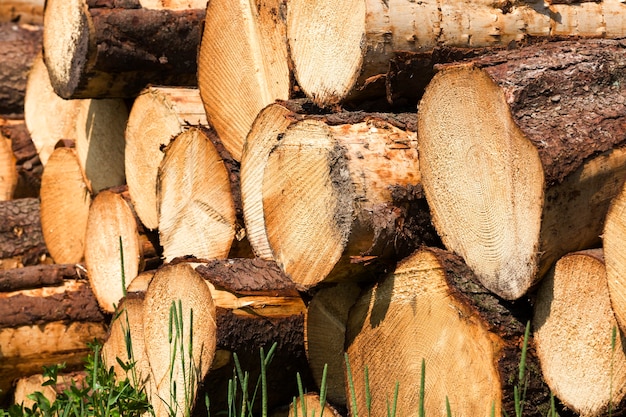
(20, 230)
(521, 153)
(118, 49)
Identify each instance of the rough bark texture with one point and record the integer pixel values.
(129, 48)
(20, 231)
(19, 45)
(37, 276)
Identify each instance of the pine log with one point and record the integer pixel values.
(157, 115)
(341, 196)
(198, 198)
(578, 343)
(115, 49)
(309, 404)
(47, 326)
(96, 126)
(613, 244)
(243, 65)
(20, 231)
(325, 336)
(521, 154)
(65, 201)
(338, 48)
(24, 12)
(27, 163)
(116, 246)
(8, 170)
(19, 45)
(37, 276)
(431, 310)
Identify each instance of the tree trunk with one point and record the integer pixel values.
(158, 115)
(46, 326)
(243, 65)
(341, 196)
(113, 231)
(520, 155)
(20, 231)
(24, 12)
(576, 336)
(198, 198)
(106, 49)
(19, 45)
(65, 201)
(27, 163)
(340, 48)
(96, 126)
(431, 315)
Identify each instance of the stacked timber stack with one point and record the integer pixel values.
(268, 159)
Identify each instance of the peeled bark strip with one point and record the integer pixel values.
(197, 211)
(65, 201)
(185, 311)
(574, 325)
(97, 127)
(243, 65)
(27, 163)
(27, 349)
(115, 49)
(520, 155)
(338, 48)
(111, 231)
(20, 231)
(342, 197)
(432, 309)
(158, 115)
(613, 244)
(325, 332)
(19, 45)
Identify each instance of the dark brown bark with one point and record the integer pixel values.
(30, 307)
(28, 164)
(19, 45)
(20, 230)
(131, 47)
(37, 276)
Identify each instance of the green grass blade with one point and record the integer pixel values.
(422, 411)
(355, 412)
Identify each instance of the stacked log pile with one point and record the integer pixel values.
(413, 193)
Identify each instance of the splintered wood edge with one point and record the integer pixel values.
(196, 210)
(482, 178)
(111, 219)
(307, 202)
(66, 42)
(574, 323)
(325, 39)
(413, 314)
(263, 136)
(65, 201)
(242, 66)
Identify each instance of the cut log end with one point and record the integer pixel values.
(325, 40)
(574, 335)
(307, 204)
(65, 42)
(497, 180)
